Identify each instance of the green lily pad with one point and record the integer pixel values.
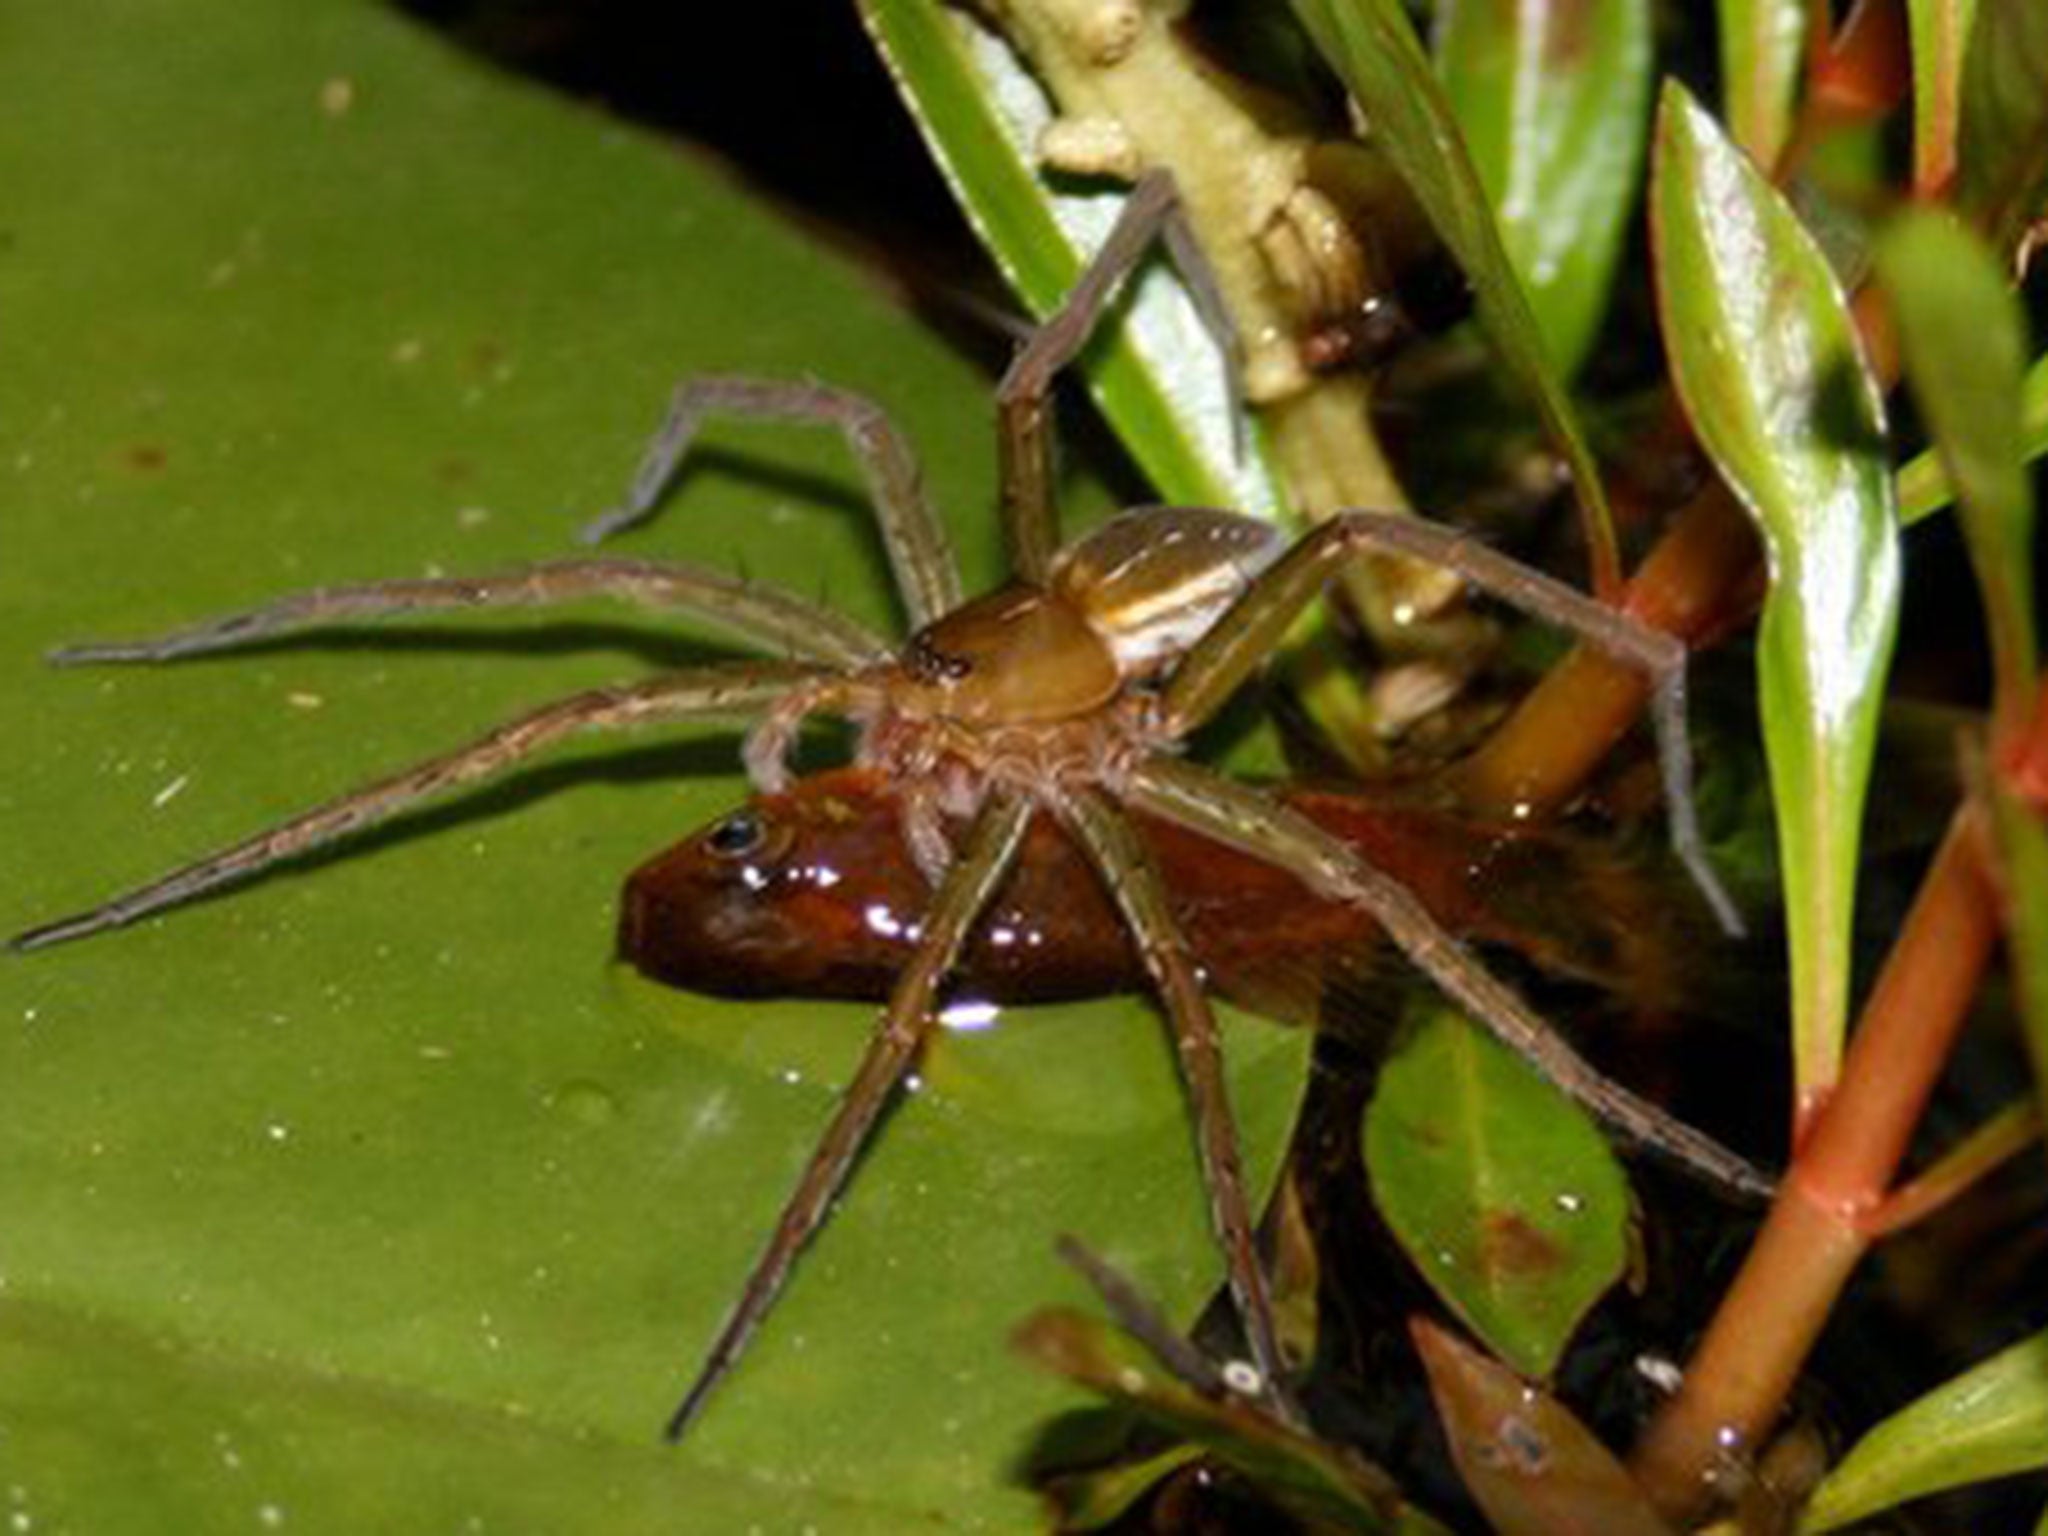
(374, 1167)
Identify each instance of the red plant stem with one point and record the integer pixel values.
(1567, 724)
(1753, 1349)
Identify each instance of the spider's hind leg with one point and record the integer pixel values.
(1240, 817)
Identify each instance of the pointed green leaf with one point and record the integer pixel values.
(1159, 378)
(373, 1171)
(1554, 104)
(1961, 334)
(1501, 1191)
(1762, 44)
(1941, 35)
(1765, 358)
(1991, 1421)
(2002, 165)
(1375, 53)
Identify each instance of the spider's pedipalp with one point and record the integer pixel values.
(753, 610)
(906, 1022)
(920, 554)
(1241, 817)
(737, 688)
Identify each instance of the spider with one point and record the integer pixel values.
(1065, 693)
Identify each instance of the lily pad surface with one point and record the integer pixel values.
(368, 1195)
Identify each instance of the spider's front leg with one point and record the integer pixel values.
(906, 1023)
(920, 555)
(755, 611)
(1023, 399)
(1125, 867)
(1242, 640)
(739, 688)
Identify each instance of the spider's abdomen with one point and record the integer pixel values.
(1153, 580)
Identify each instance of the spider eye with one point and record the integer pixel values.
(736, 836)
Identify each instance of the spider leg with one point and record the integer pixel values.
(1241, 817)
(737, 688)
(1245, 636)
(1126, 868)
(756, 611)
(920, 554)
(905, 1024)
(1023, 399)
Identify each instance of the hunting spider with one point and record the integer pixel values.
(1067, 692)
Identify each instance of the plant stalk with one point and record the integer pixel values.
(1828, 1207)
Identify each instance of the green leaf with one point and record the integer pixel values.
(1940, 32)
(2023, 859)
(1991, 1421)
(1923, 484)
(374, 1167)
(1762, 42)
(1553, 101)
(1156, 374)
(1765, 358)
(1961, 333)
(2002, 159)
(1375, 53)
(1532, 1467)
(1501, 1191)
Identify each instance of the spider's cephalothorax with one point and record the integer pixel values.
(1064, 694)
(1035, 688)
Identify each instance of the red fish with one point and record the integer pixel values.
(812, 893)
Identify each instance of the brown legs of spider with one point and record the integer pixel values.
(899, 1035)
(1241, 817)
(739, 688)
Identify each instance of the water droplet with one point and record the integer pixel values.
(969, 1014)
(277, 1130)
(1661, 1373)
(1571, 1205)
(1243, 1378)
(585, 1102)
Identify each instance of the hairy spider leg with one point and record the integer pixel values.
(1023, 399)
(906, 1022)
(1240, 641)
(920, 555)
(736, 688)
(769, 616)
(1244, 818)
(1126, 869)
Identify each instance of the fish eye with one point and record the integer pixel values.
(738, 835)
